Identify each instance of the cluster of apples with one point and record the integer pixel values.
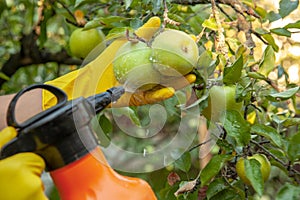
(172, 53)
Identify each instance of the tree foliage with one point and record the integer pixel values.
(239, 45)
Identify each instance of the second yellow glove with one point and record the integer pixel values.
(20, 174)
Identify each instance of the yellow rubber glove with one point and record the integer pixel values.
(20, 174)
(98, 76)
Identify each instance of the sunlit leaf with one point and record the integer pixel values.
(261, 11)
(271, 41)
(267, 63)
(210, 23)
(256, 75)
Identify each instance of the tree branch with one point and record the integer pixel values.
(30, 54)
(190, 2)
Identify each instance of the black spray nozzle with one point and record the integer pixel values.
(61, 134)
(102, 100)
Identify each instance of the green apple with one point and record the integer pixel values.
(175, 53)
(265, 167)
(133, 66)
(82, 42)
(221, 98)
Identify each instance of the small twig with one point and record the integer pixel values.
(271, 83)
(267, 152)
(224, 12)
(70, 13)
(167, 20)
(220, 39)
(135, 38)
(199, 36)
(200, 144)
(259, 37)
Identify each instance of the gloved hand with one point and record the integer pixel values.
(20, 174)
(98, 76)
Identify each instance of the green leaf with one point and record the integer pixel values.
(157, 4)
(136, 23)
(233, 73)
(215, 187)
(79, 3)
(281, 31)
(261, 11)
(213, 168)
(287, 6)
(3, 6)
(267, 132)
(272, 16)
(282, 96)
(102, 127)
(228, 194)
(129, 112)
(184, 162)
(288, 191)
(293, 25)
(253, 173)
(44, 24)
(117, 32)
(270, 39)
(127, 3)
(4, 76)
(176, 18)
(237, 127)
(92, 24)
(210, 23)
(205, 64)
(105, 124)
(256, 75)
(294, 147)
(267, 63)
(291, 122)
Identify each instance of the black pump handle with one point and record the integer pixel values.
(58, 93)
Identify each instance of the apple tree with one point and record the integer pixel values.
(243, 142)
